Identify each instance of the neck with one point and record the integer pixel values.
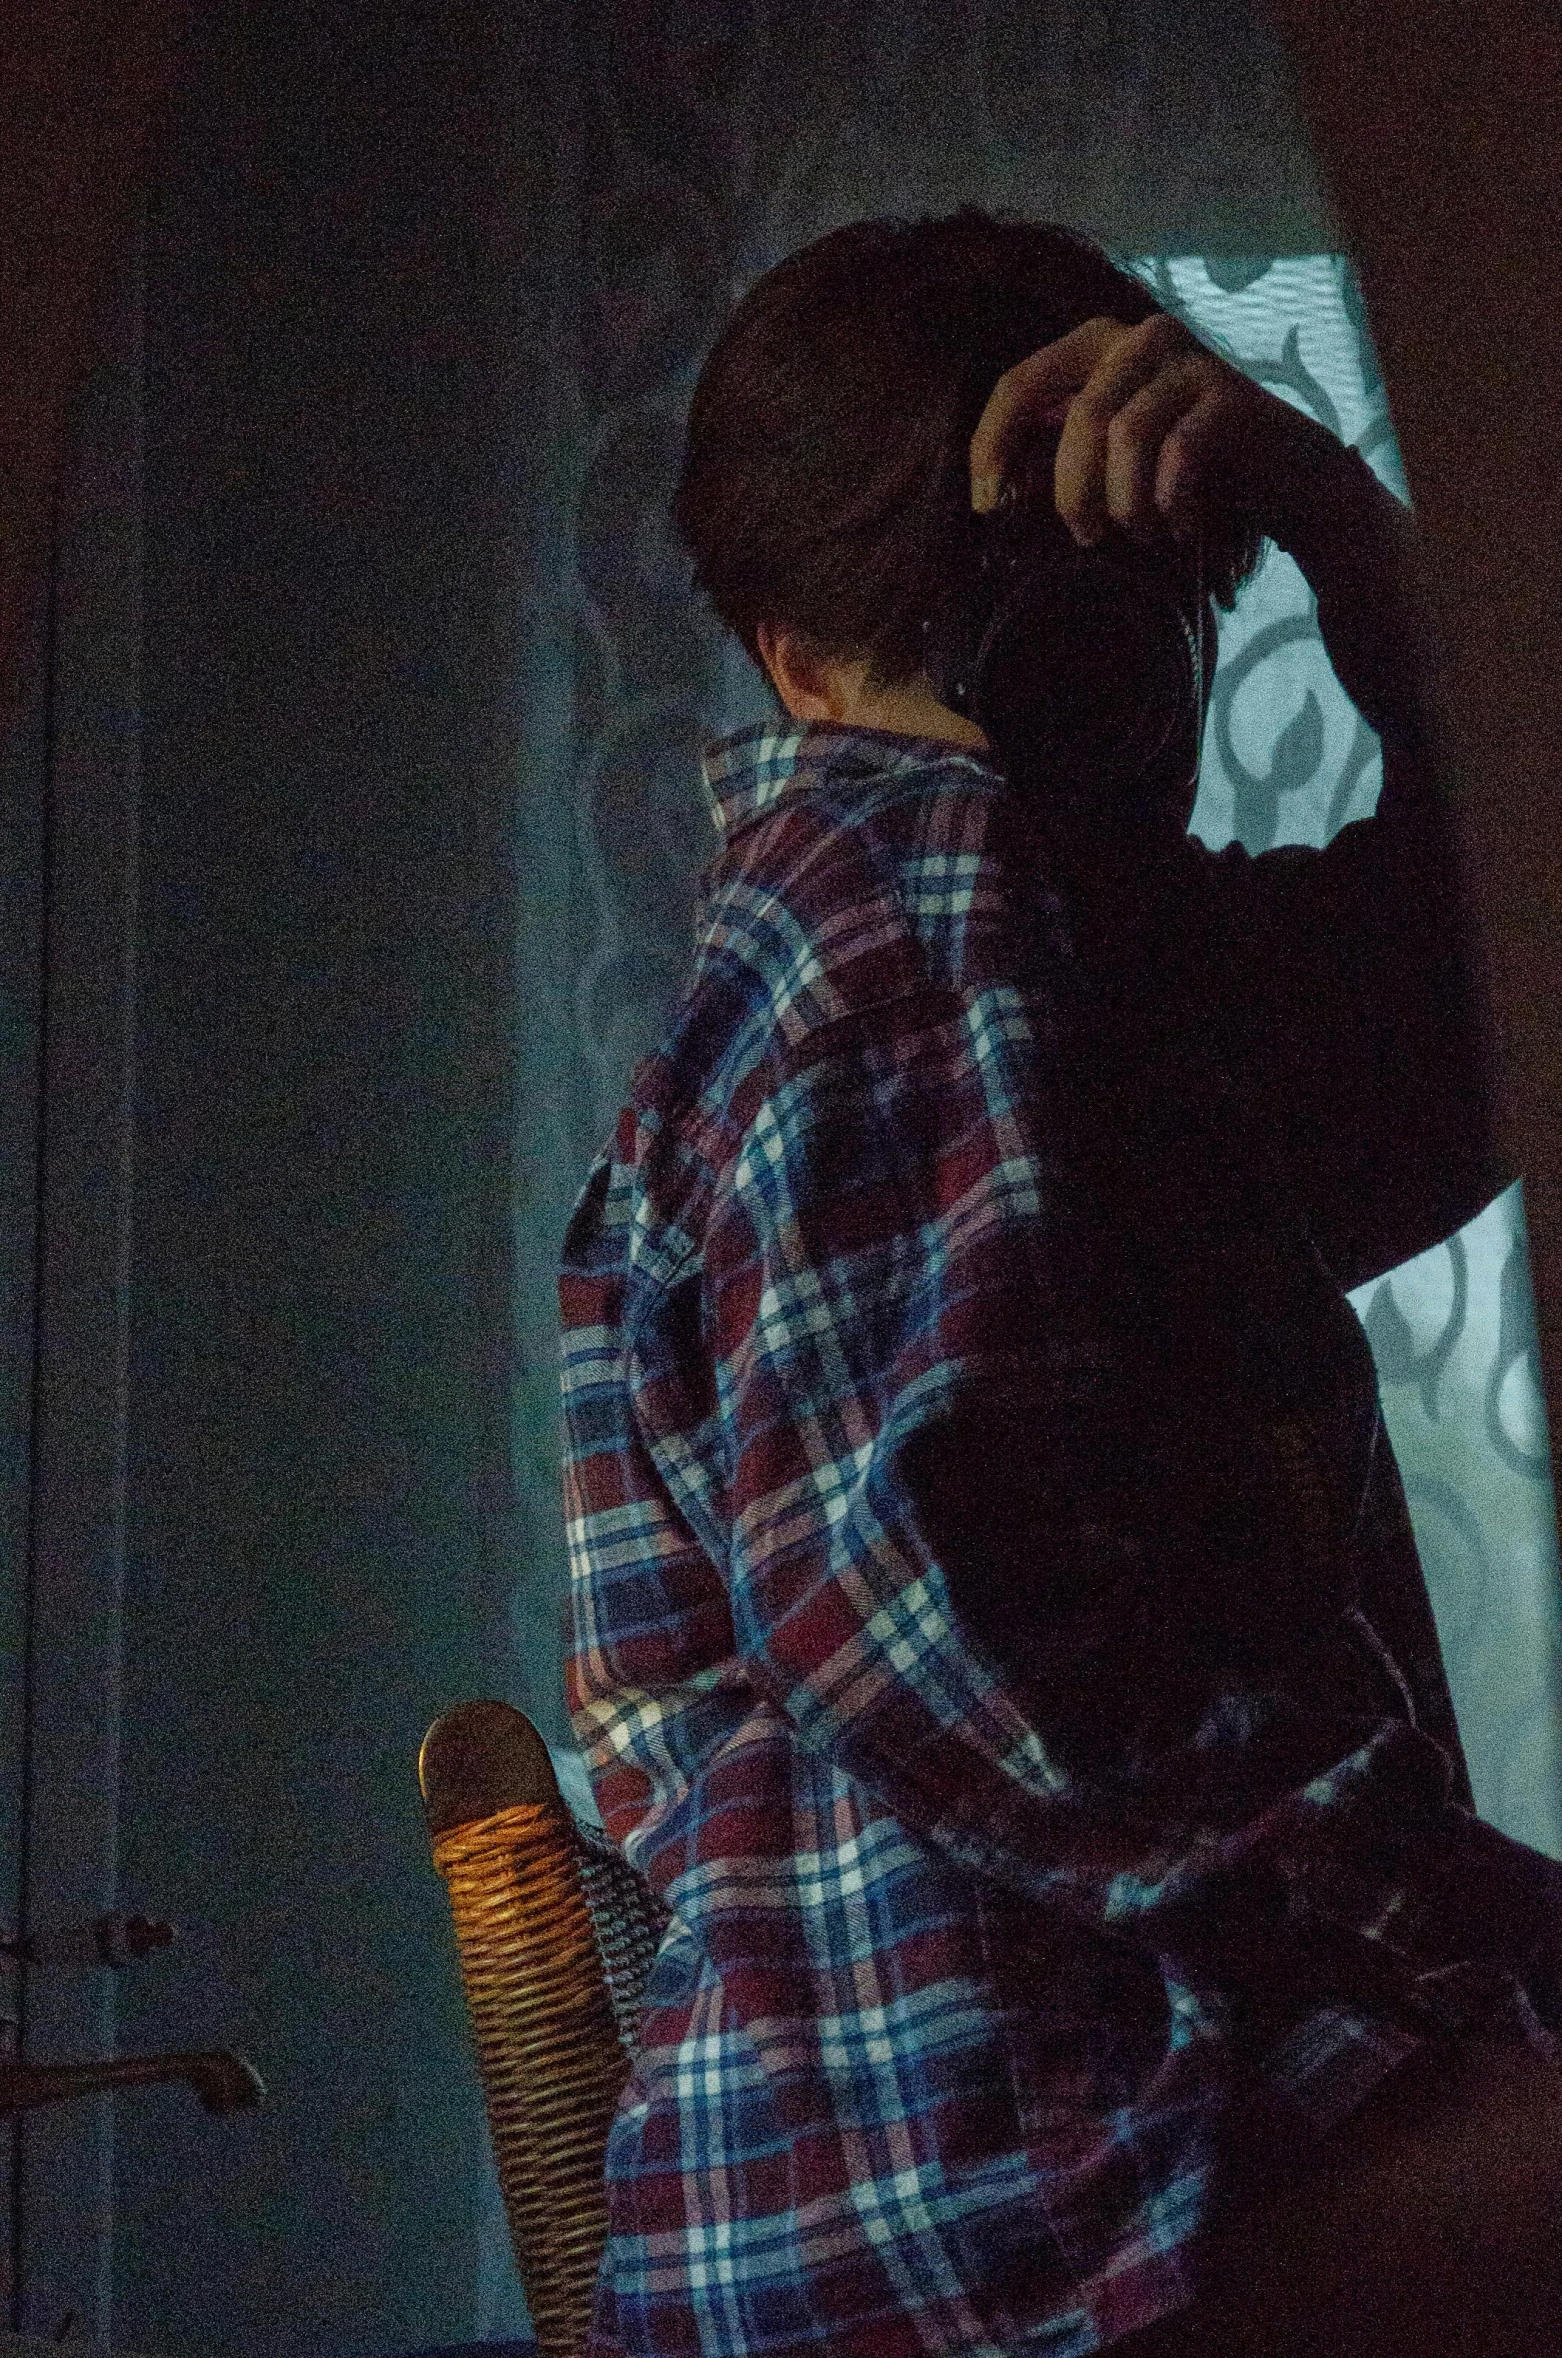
(911, 709)
(842, 692)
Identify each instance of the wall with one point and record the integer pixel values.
(321, 1525)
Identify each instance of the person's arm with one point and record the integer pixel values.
(1358, 986)
(1362, 990)
(908, 1374)
(1359, 549)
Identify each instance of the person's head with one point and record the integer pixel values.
(825, 483)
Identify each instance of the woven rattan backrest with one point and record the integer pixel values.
(552, 2025)
(628, 1920)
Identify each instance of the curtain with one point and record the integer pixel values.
(688, 157)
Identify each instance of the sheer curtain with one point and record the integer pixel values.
(689, 155)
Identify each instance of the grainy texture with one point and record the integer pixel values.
(1460, 284)
(999, 1635)
(548, 2049)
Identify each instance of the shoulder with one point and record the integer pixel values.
(888, 866)
(878, 924)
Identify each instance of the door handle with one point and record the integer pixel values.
(115, 1940)
(223, 2081)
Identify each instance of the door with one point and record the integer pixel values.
(255, 1176)
(72, 813)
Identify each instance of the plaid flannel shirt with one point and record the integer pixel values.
(998, 1633)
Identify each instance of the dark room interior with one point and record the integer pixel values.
(353, 703)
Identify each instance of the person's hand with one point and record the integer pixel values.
(1159, 434)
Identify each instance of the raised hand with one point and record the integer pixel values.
(1159, 434)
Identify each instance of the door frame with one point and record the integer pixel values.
(86, 767)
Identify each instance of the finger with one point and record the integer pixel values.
(1080, 471)
(1134, 439)
(1023, 395)
(1182, 467)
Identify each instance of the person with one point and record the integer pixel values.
(998, 1632)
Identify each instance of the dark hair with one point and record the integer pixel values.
(825, 476)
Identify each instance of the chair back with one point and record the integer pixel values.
(555, 1933)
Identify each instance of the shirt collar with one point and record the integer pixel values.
(746, 772)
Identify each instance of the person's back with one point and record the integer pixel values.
(997, 1628)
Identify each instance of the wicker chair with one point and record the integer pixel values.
(556, 1934)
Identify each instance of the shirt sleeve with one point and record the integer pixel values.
(905, 1379)
(1359, 986)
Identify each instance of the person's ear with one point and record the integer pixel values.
(807, 683)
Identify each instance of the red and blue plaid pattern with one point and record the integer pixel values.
(998, 1633)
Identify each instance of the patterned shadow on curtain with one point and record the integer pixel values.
(675, 188)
